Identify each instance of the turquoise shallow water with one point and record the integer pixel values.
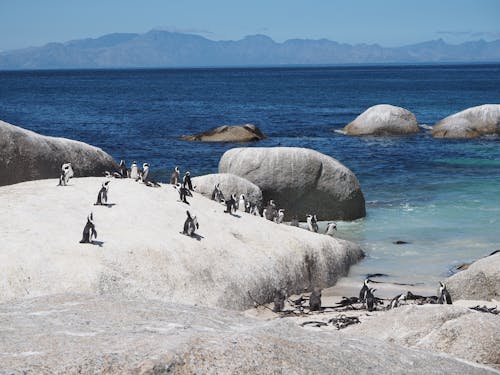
(442, 196)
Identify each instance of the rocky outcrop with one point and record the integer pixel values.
(98, 335)
(470, 123)
(25, 155)
(383, 119)
(480, 281)
(300, 180)
(229, 184)
(142, 252)
(225, 133)
(455, 330)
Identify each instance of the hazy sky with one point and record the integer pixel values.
(26, 23)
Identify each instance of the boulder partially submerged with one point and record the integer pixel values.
(93, 335)
(480, 281)
(229, 184)
(226, 133)
(300, 180)
(231, 260)
(26, 155)
(470, 123)
(383, 119)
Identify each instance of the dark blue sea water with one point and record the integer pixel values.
(443, 196)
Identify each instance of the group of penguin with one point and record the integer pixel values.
(366, 298)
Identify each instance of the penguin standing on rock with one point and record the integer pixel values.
(330, 228)
(89, 230)
(66, 174)
(242, 203)
(230, 204)
(186, 181)
(190, 225)
(444, 295)
(281, 215)
(315, 300)
(217, 194)
(174, 178)
(270, 212)
(134, 171)
(145, 173)
(312, 223)
(364, 290)
(102, 196)
(279, 301)
(370, 299)
(183, 193)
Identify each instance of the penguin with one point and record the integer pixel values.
(134, 171)
(312, 223)
(315, 299)
(190, 225)
(444, 295)
(370, 299)
(242, 203)
(230, 204)
(123, 169)
(217, 194)
(280, 216)
(279, 301)
(183, 193)
(66, 174)
(253, 209)
(186, 181)
(396, 301)
(364, 290)
(270, 212)
(102, 196)
(174, 178)
(330, 227)
(145, 173)
(89, 230)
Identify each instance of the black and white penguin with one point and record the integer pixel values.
(312, 223)
(102, 196)
(396, 301)
(364, 290)
(190, 225)
(217, 194)
(280, 216)
(279, 301)
(183, 193)
(66, 174)
(174, 178)
(230, 204)
(444, 295)
(330, 228)
(370, 299)
(134, 171)
(242, 203)
(145, 173)
(89, 230)
(186, 181)
(271, 211)
(315, 299)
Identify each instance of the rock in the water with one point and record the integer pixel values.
(229, 184)
(480, 281)
(144, 253)
(25, 155)
(300, 180)
(383, 119)
(455, 330)
(98, 335)
(470, 123)
(225, 133)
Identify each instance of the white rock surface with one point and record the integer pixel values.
(94, 335)
(383, 119)
(143, 251)
(470, 123)
(229, 184)
(25, 155)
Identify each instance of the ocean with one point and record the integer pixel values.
(440, 196)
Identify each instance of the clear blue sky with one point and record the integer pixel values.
(26, 23)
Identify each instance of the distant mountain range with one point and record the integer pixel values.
(156, 49)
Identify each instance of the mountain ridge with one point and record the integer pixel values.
(157, 49)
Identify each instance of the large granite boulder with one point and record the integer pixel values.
(225, 133)
(383, 119)
(480, 281)
(141, 252)
(69, 334)
(25, 155)
(455, 330)
(302, 181)
(470, 123)
(229, 184)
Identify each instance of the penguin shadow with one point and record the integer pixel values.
(195, 236)
(108, 205)
(94, 242)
